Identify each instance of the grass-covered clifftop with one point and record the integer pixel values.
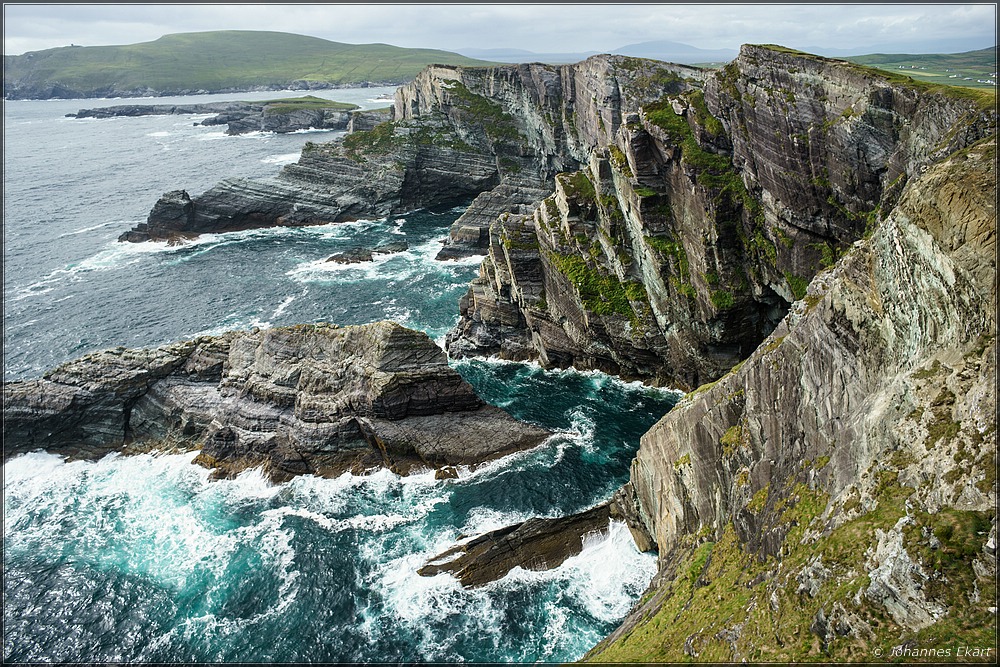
(227, 60)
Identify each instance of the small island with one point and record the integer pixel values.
(279, 115)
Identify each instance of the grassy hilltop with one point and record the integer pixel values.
(214, 61)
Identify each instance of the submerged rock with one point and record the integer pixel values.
(358, 254)
(303, 399)
(351, 256)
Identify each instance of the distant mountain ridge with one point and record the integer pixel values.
(678, 52)
(660, 49)
(213, 62)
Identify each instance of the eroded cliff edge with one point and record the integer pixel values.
(836, 492)
(306, 399)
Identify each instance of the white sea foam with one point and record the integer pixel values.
(158, 134)
(609, 573)
(110, 223)
(286, 158)
(213, 136)
(582, 429)
(317, 130)
(282, 306)
(597, 378)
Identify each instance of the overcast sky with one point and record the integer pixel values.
(542, 28)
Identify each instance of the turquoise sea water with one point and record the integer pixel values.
(144, 558)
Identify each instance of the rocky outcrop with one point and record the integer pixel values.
(135, 110)
(649, 220)
(392, 168)
(303, 399)
(358, 254)
(267, 119)
(535, 544)
(538, 120)
(843, 478)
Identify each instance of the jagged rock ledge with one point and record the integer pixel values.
(540, 543)
(535, 544)
(389, 168)
(315, 399)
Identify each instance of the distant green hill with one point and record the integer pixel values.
(971, 68)
(220, 61)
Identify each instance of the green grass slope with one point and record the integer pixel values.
(229, 59)
(960, 69)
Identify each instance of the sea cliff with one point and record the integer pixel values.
(835, 493)
(807, 245)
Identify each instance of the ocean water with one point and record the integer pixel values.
(143, 558)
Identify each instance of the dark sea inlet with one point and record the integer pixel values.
(143, 558)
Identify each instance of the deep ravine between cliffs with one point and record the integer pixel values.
(806, 245)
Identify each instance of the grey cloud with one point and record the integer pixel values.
(539, 28)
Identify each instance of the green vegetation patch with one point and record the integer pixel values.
(797, 284)
(496, 123)
(722, 299)
(308, 102)
(578, 186)
(600, 293)
(377, 141)
(725, 604)
(619, 160)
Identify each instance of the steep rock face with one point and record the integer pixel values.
(538, 120)
(700, 216)
(850, 459)
(302, 399)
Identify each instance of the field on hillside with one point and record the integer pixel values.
(976, 69)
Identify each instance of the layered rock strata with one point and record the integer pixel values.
(303, 399)
(699, 217)
(837, 490)
(454, 133)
